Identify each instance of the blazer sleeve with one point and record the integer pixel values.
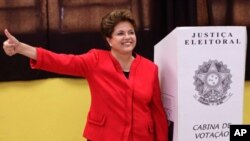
(75, 65)
(158, 113)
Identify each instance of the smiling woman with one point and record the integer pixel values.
(122, 43)
(124, 106)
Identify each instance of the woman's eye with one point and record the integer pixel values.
(131, 33)
(120, 33)
(123, 33)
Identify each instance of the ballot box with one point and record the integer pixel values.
(201, 74)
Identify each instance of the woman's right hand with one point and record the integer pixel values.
(11, 45)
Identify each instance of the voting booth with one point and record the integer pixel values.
(201, 73)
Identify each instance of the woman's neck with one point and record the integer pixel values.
(125, 60)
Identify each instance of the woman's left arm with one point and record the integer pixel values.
(158, 113)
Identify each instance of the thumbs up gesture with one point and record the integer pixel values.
(11, 45)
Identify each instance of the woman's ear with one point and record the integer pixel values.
(108, 41)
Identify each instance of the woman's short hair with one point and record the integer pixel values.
(110, 20)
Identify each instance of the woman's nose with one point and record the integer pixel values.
(127, 35)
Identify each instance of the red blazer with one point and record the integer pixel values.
(121, 109)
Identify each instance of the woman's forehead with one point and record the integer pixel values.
(124, 25)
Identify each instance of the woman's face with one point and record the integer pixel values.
(123, 38)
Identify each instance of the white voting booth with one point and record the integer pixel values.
(201, 72)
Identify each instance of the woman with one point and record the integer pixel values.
(125, 95)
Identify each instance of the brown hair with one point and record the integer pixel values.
(110, 20)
